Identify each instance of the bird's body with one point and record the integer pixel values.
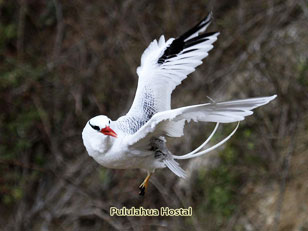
(138, 139)
(117, 153)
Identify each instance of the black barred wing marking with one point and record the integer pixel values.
(182, 44)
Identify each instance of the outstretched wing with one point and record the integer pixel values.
(164, 64)
(171, 123)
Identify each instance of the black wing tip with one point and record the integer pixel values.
(199, 39)
(206, 21)
(208, 18)
(183, 42)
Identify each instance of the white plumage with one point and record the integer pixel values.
(162, 77)
(138, 139)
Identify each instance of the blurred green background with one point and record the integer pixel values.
(63, 62)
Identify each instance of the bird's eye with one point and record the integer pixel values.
(94, 127)
(109, 122)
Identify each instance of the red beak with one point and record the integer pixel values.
(109, 132)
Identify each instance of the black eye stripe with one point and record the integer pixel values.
(94, 127)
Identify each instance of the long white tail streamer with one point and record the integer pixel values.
(204, 143)
(193, 154)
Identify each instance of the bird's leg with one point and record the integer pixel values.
(156, 145)
(144, 184)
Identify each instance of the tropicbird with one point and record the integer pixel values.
(138, 139)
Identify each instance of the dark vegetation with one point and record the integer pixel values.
(62, 62)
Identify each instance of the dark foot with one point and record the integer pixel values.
(142, 190)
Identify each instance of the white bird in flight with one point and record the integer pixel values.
(138, 139)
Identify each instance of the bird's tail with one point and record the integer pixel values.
(174, 167)
(225, 112)
(197, 151)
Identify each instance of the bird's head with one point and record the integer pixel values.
(101, 124)
(98, 135)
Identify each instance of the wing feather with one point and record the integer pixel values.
(164, 64)
(171, 123)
